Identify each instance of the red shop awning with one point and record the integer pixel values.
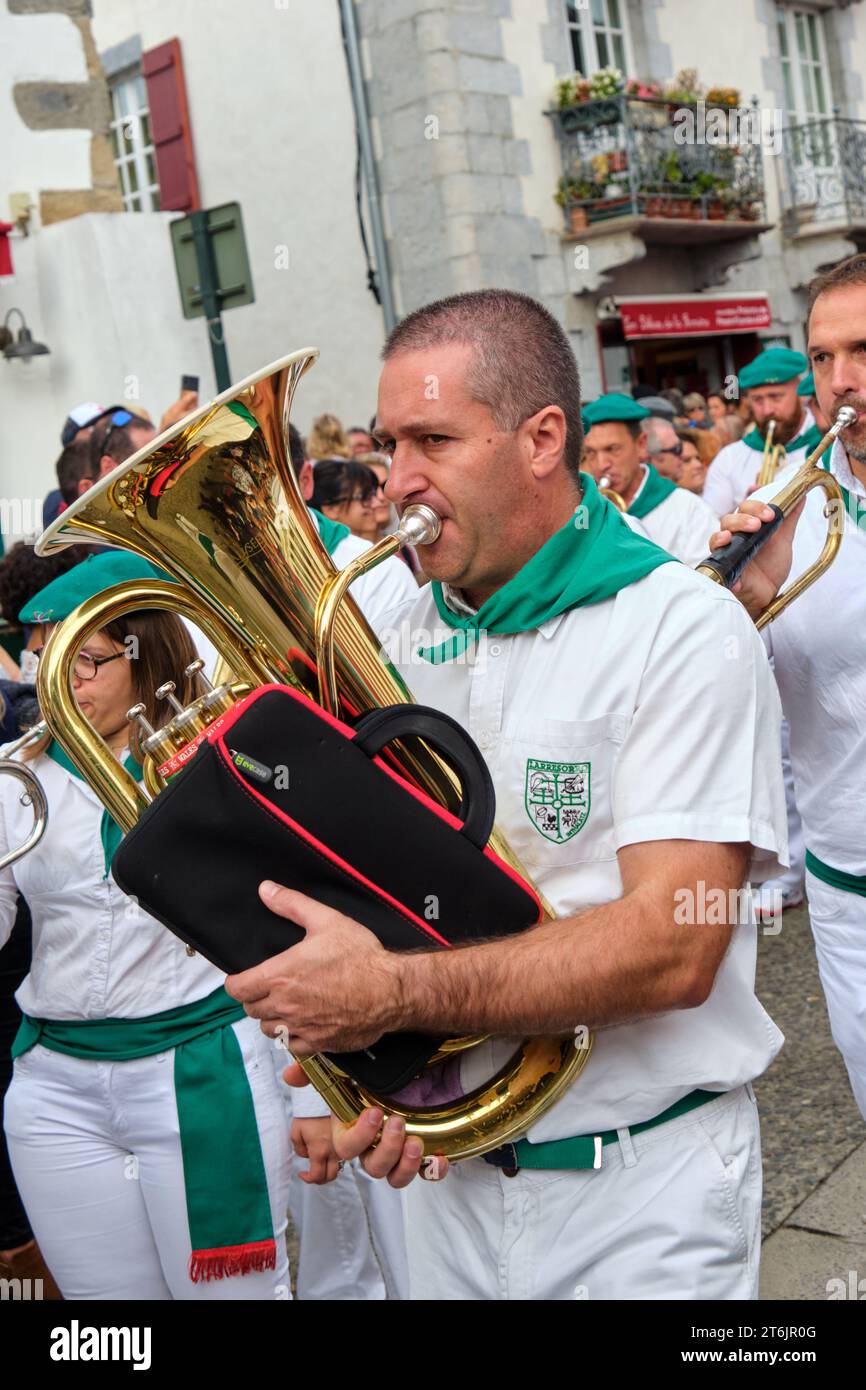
(693, 316)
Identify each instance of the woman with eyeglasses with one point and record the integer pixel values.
(349, 493)
(144, 1120)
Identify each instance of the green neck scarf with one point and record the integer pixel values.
(592, 557)
(855, 506)
(110, 832)
(654, 491)
(227, 1202)
(808, 440)
(331, 532)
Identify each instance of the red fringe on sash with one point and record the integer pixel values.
(229, 1260)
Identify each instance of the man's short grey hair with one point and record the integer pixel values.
(657, 432)
(522, 358)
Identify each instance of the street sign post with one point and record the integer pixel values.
(213, 273)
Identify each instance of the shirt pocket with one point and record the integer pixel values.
(560, 790)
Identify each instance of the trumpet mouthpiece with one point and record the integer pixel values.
(847, 416)
(419, 525)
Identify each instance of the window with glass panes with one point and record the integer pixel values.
(599, 37)
(804, 63)
(133, 144)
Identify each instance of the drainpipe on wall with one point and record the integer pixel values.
(368, 163)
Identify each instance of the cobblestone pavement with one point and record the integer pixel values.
(814, 1139)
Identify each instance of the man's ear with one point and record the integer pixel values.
(545, 433)
(84, 484)
(305, 480)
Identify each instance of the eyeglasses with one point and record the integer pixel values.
(366, 501)
(86, 666)
(675, 449)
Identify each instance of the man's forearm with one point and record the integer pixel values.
(607, 965)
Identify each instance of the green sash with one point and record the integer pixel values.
(654, 491)
(808, 440)
(331, 532)
(837, 878)
(110, 832)
(227, 1202)
(590, 558)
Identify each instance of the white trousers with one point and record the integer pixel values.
(673, 1213)
(792, 877)
(95, 1148)
(352, 1246)
(839, 928)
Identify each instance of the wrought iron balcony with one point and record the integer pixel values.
(823, 174)
(621, 159)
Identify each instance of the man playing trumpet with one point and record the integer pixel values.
(819, 648)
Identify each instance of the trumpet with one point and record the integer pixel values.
(773, 460)
(607, 491)
(726, 565)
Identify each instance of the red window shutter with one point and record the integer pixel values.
(162, 68)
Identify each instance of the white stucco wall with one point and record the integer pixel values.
(39, 48)
(273, 129)
(127, 346)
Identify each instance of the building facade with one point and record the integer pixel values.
(677, 246)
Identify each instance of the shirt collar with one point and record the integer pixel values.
(457, 603)
(840, 467)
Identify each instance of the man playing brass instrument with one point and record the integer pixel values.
(630, 723)
(770, 383)
(819, 649)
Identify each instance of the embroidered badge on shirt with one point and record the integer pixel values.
(557, 798)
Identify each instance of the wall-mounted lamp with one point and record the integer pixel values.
(23, 347)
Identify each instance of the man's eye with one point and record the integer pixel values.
(385, 446)
(435, 438)
(818, 356)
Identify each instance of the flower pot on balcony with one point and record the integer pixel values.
(577, 218)
(618, 162)
(655, 206)
(604, 208)
(716, 212)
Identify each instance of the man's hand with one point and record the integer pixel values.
(393, 1157)
(185, 404)
(763, 576)
(336, 991)
(312, 1139)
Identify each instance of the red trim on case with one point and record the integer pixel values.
(219, 732)
(329, 854)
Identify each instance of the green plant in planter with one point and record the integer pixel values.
(685, 86)
(607, 82)
(571, 91)
(573, 190)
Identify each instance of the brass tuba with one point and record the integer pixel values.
(215, 503)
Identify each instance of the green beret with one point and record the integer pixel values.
(807, 385)
(773, 367)
(612, 407)
(97, 572)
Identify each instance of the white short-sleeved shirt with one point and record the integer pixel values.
(660, 705)
(96, 954)
(735, 469)
(819, 650)
(682, 524)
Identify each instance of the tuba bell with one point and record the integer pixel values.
(215, 503)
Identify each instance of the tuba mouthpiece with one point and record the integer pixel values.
(419, 525)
